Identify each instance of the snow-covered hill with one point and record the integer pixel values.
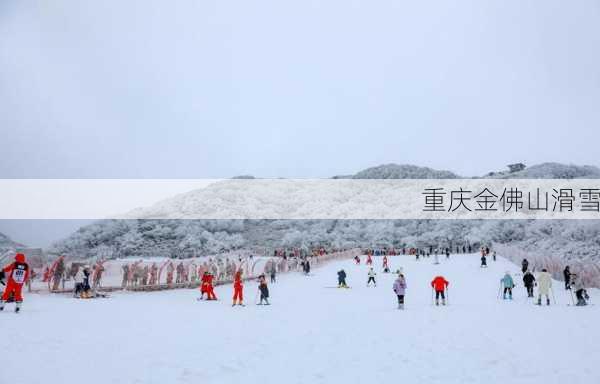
(566, 239)
(551, 171)
(404, 171)
(7, 245)
(312, 333)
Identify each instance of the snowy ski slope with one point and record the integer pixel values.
(311, 334)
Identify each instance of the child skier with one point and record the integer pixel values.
(371, 275)
(529, 281)
(342, 279)
(206, 286)
(357, 259)
(544, 281)
(483, 260)
(508, 284)
(439, 285)
(238, 289)
(17, 273)
(400, 289)
(264, 290)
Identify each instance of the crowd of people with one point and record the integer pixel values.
(86, 278)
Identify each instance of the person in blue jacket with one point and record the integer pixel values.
(508, 284)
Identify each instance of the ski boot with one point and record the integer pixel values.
(443, 301)
(1, 305)
(437, 302)
(18, 307)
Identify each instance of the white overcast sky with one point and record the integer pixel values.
(217, 88)
(296, 88)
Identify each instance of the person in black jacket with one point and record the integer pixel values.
(524, 265)
(483, 261)
(306, 267)
(567, 275)
(342, 279)
(529, 281)
(264, 290)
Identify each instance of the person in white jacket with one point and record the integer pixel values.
(544, 281)
(78, 282)
(371, 275)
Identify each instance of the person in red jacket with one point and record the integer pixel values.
(439, 285)
(238, 288)
(208, 286)
(203, 285)
(17, 273)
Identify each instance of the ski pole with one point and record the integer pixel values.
(499, 290)
(447, 296)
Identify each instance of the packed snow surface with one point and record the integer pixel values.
(311, 333)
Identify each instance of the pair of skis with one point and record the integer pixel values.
(446, 299)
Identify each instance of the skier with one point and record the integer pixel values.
(264, 290)
(529, 281)
(494, 255)
(17, 273)
(273, 272)
(567, 275)
(86, 288)
(369, 259)
(447, 253)
(544, 281)
(439, 285)
(483, 261)
(385, 264)
(342, 279)
(580, 291)
(307, 267)
(508, 284)
(357, 259)
(524, 265)
(78, 283)
(400, 289)
(371, 275)
(238, 289)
